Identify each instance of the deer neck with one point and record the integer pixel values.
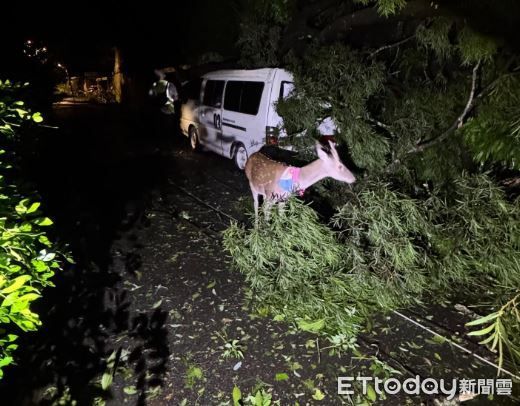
(311, 173)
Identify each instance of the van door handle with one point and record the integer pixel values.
(216, 120)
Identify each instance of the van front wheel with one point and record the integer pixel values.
(194, 139)
(240, 156)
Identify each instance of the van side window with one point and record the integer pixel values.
(243, 97)
(285, 89)
(213, 93)
(251, 96)
(232, 97)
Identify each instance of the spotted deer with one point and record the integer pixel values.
(276, 181)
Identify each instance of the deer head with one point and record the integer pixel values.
(332, 164)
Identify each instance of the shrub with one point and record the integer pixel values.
(28, 259)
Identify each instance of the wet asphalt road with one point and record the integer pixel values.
(142, 215)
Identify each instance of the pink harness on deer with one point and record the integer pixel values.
(289, 181)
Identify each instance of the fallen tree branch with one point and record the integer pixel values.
(457, 123)
(513, 182)
(299, 28)
(395, 44)
(472, 101)
(384, 126)
(416, 9)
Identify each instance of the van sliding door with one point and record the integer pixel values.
(243, 116)
(210, 115)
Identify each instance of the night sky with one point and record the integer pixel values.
(150, 34)
(82, 36)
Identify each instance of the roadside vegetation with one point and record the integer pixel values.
(430, 122)
(28, 259)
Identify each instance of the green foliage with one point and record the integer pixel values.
(108, 376)
(258, 398)
(340, 343)
(450, 159)
(193, 375)
(420, 221)
(55, 397)
(413, 119)
(63, 89)
(334, 81)
(13, 112)
(494, 134)
(474, 46)
(232, 348)
(481, 245)
(388, 7)
(500, 330)
(260, 32)
(433, 102)
(264, 34)
(427, 106)
(385, 232)
(385, 7)
(464, 233)
(480, 238)
(28, 259)
(436, 37)
(293, 267)
(390, 252)
(429, 101)
(465, 43)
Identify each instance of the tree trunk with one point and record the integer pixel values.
(118, 79)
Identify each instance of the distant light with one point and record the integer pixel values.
(44, 49)
(60, 65)
(29, 41)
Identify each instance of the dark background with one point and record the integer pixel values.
(81, 35)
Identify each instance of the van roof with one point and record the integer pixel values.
(263, 73)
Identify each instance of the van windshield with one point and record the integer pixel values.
(243, 96)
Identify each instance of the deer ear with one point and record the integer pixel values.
(322, 154)
(333, 150)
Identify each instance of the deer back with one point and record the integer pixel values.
(263, 173)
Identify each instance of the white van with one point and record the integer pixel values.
(232, 112)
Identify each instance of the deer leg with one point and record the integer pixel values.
(255, 202)
(281, 208)
(267, 205)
